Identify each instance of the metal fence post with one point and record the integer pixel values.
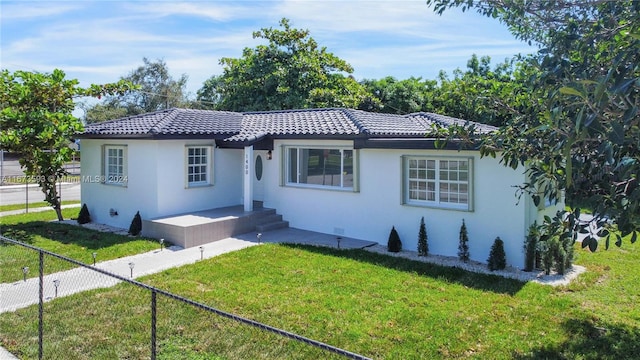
(40, 304)
(153, 325)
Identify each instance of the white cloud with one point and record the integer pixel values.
(32, 10)
(100, 41)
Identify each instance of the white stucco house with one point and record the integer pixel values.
(336, 171)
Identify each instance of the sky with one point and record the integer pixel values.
(101, 41)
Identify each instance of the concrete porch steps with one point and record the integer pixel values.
(272, 226)
(201, 227)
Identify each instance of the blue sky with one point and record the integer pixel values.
(101, 41)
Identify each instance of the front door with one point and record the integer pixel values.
(259, 163)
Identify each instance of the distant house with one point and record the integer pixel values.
(337, 171)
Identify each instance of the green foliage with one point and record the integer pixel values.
(394, 244)
(290, 72)
(157, 90)
(37, 122)
(463, 244)
(584, 143)
(560, 234)
(84, 217)
(531, 247)
(423, 244)
(104, 112)
(479, 93)
(497, 258)
(554, 256)
(136, 225)
(389, 95)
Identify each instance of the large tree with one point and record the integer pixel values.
(37, 122)
(157, 90)
(400, 96)
(585, 142)
(290, 72)
(485, 94)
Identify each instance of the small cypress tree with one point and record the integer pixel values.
(463, 245)
(497, 257)
(423, 245)
(394, 244)
(531, 247)
(84, 217)
(136, 225)
(547, 254)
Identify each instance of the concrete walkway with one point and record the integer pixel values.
(38, 209)
(21, 294)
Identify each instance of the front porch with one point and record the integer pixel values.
(201, 227)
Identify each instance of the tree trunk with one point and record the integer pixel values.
(48, 186)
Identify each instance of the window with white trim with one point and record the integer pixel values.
(198, 165)
(115, 163)
(438, 182)
(320, 167)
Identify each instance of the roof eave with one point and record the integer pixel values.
(406, 143)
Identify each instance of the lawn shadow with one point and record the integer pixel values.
(590, 342)
(484, 282)
(63, 233)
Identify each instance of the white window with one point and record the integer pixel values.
(438, 182)
(198, 165)
(320, 167)
(115, 165)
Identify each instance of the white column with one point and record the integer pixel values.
(248, 178)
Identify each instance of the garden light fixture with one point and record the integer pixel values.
(56, 283)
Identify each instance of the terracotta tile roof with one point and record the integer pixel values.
(171, 122)
(250, 126)
(306, 122)
(445, 121)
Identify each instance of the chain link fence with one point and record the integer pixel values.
(44, 316)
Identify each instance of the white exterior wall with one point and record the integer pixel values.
(156, 181)
(174, 197)
(370, 213)
(138, 195)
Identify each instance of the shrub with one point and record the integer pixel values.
(557, 255)
(423, 245)
(497, 258)
(394, 244)
(463, 245)
(84, 217)
(136, 225)
(530, 247)
(568, 243)
(547, 254)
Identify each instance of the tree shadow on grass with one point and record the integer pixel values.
(590, 342)
(63, 233)
(469, 279)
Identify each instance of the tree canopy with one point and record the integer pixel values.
(157, 90)
(584, 139)
(37, 122)
(290, 72)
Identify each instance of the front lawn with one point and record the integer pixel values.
(72, 241)
(379, 306)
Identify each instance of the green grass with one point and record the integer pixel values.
(33, 205)
(382, 307)
(72, 241)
